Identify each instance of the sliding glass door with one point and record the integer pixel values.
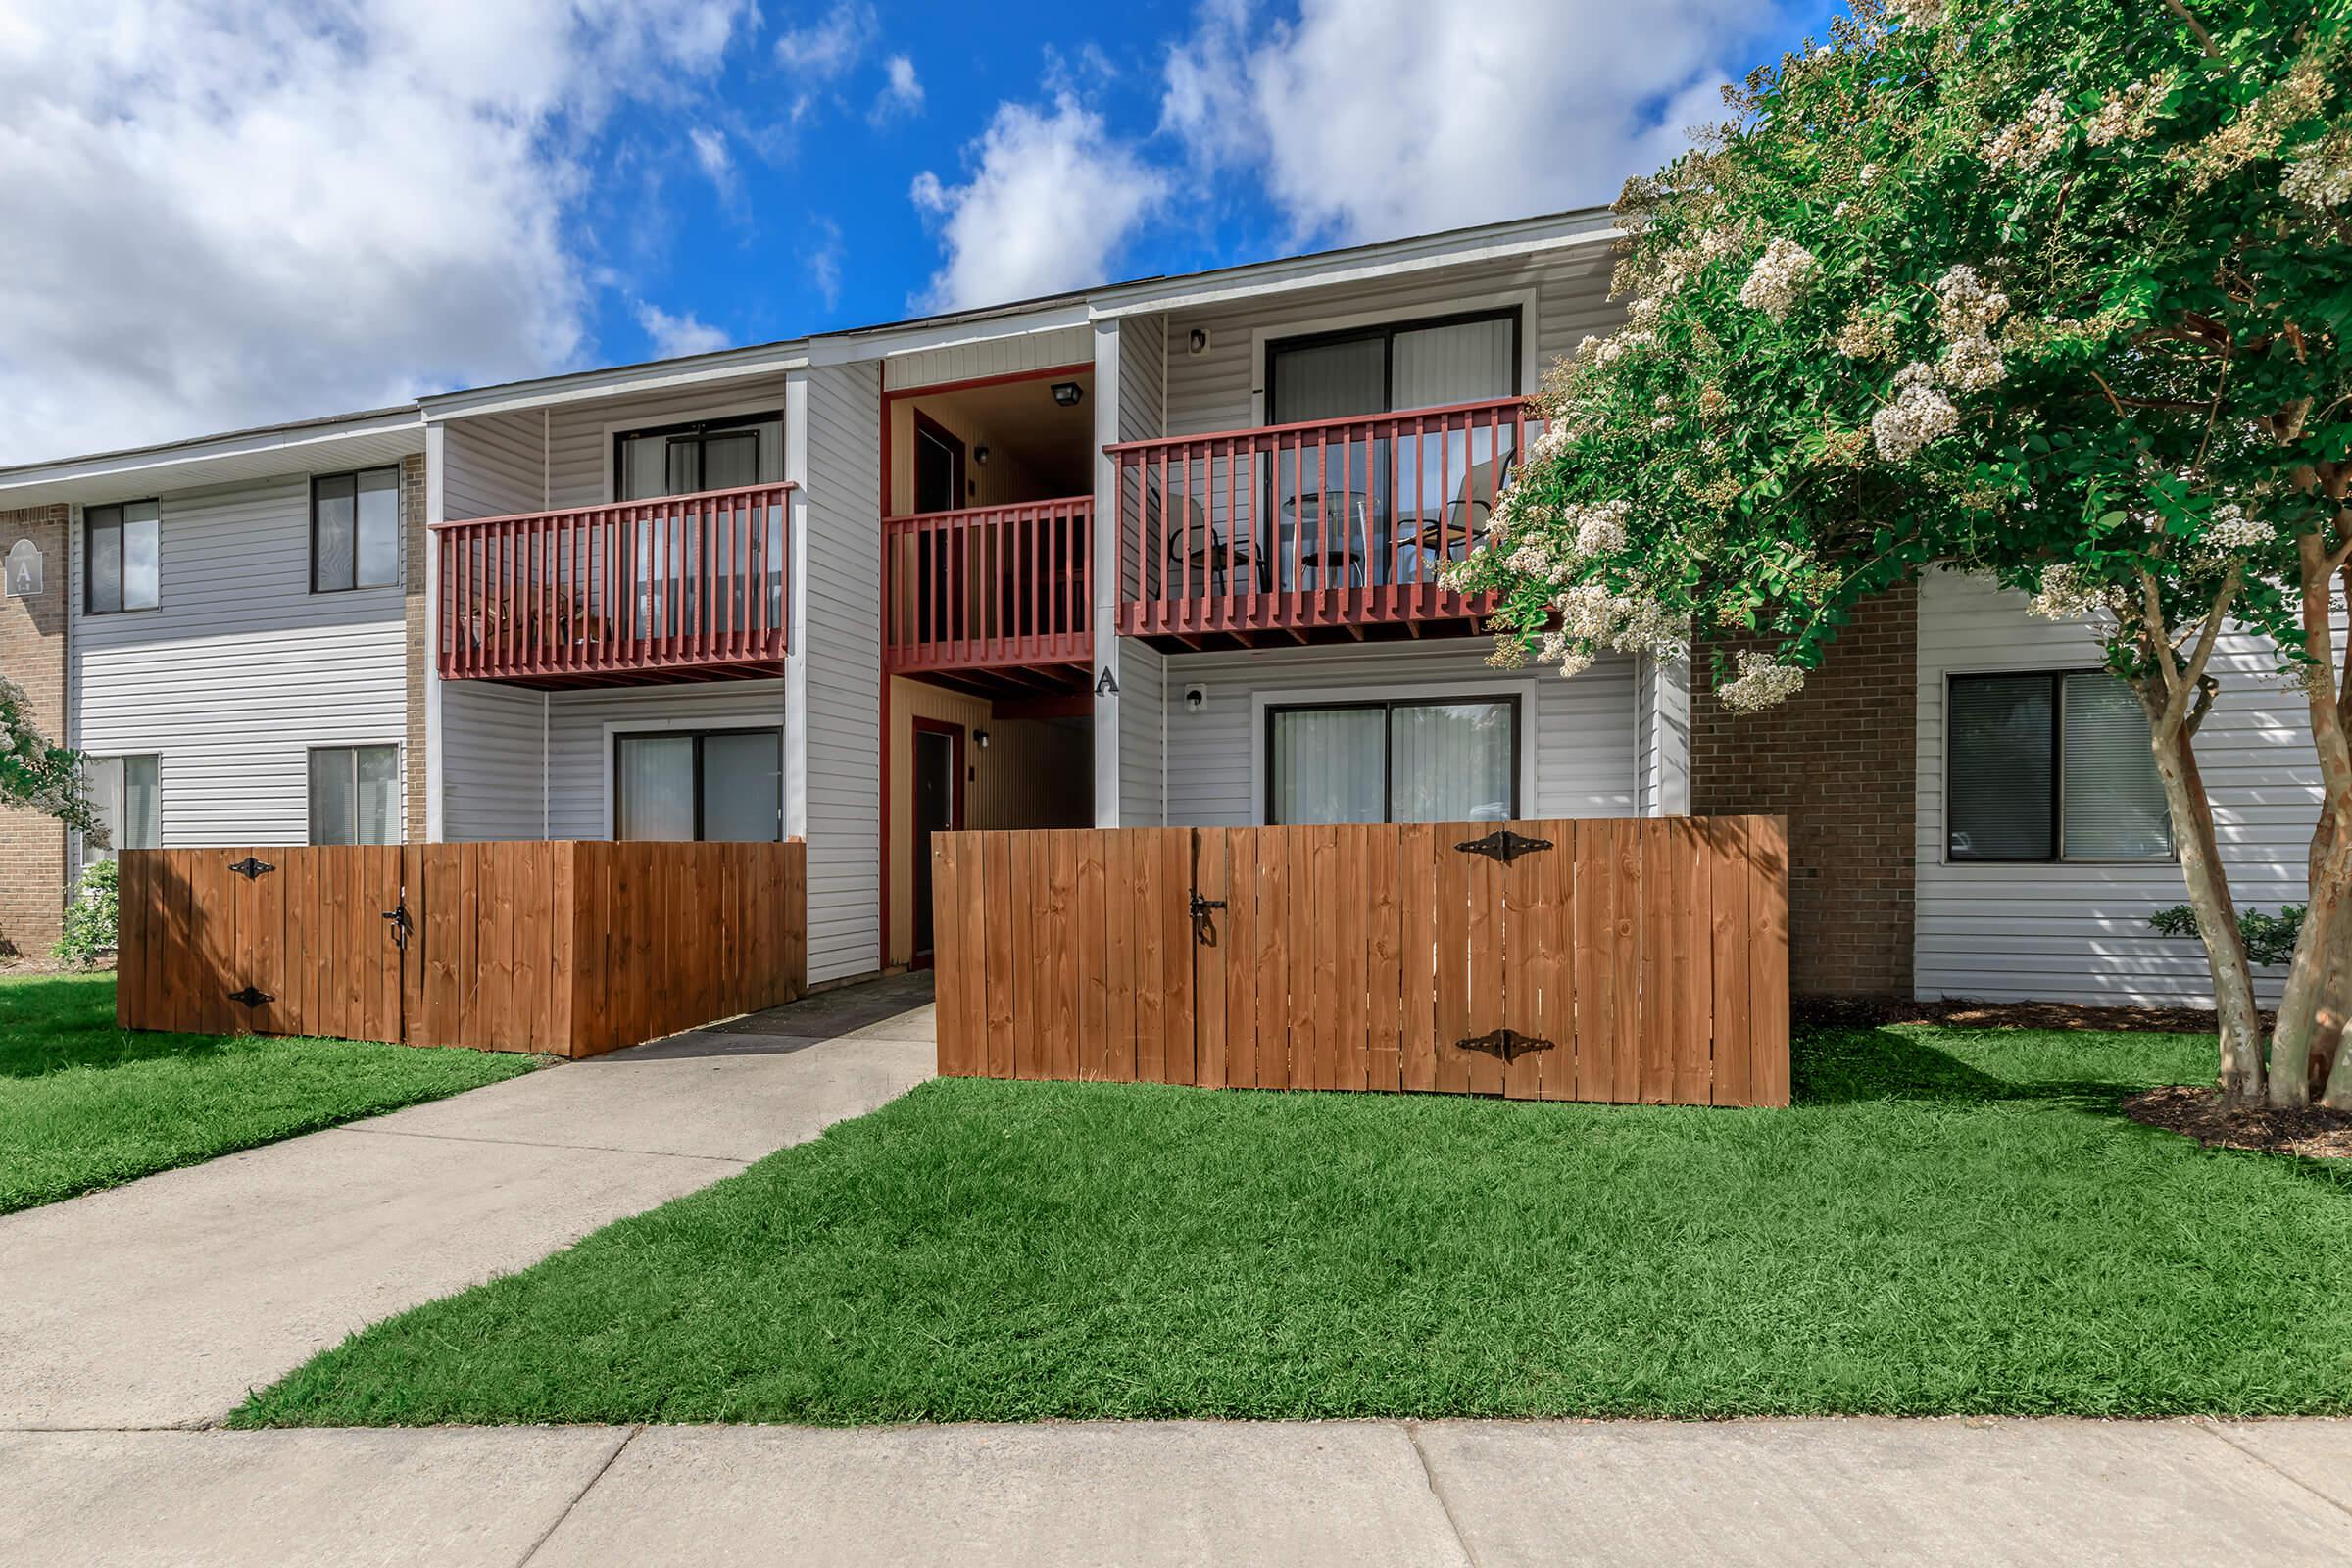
(1424, 760)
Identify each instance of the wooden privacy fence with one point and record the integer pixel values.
(571, 948)
(1633, 960)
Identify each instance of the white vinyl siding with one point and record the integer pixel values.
(241, 669)
(1142, 735)
(494, 781)
(842, 635)
(1581, 746)
(2079, 932)
(996, 356)
(579, 436)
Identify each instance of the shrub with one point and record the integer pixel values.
(2270, 938)
(89, 927)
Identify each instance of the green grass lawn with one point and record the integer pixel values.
(84, 1105)
(1945, 1222)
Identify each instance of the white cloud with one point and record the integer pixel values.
(674, 335)
(824, 260)
(1051, 199)
(711, 155)
(1373, 119)
(902, 92)
(227, 211)
(832, 44)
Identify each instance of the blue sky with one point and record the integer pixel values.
(230, 211)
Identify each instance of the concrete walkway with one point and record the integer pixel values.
(160, 1304)
(1355, 1494)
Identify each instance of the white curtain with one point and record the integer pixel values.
(656, 788)
(1468, 362)
(1327, 766)
(1450, 762)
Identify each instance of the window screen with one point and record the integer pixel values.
(126, 797)
(121, 558)
(1403, 761)
(355, 794)
(2051, 767)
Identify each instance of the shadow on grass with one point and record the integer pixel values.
(49, 1023)
(1856, 1067)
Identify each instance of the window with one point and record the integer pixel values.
(121, 549)
(1401, 365)
(681, 460)
(1440, 760)
(2051, 767)
(355, 530)
(355, 794)
(124, 796)
(721, 784)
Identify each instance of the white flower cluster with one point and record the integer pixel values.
(2122, 117)
(1600, 528)
(1964, 303)
(2030, 142)
(1970, 365)
(1780, 274)
(1869, 175)
(2231, 529)
(1918, 414)
(1608, 350)
(1915, 13)
(2321, 178)
(1762, 682)
(2065, 594)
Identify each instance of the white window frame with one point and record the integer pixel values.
(400, 784)
(1522, 300)
(1263, 698)
(615, 728)
(613, 429)
(1943, 785)
(84, 851)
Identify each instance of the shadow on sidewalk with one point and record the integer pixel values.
(797, 1025)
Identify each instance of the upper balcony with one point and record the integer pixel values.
(681, 588)
(996, 599)
(1311, 532)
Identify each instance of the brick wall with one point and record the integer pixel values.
(1840, 761)
(33, 654)
(420, 642)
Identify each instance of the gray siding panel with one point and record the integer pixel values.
(241, 669)
(844, 643)
(1142, 735)
(493, 779)
(1000, 356)
(1583, 727)
(579, 435)
(2079, 932)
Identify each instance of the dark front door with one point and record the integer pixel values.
(938, 468)
(938, 808)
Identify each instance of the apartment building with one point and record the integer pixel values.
(1158, 552)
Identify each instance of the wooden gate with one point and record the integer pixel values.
(567, 948)
(1629, 961)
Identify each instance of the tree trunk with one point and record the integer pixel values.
(2239, 1020)
(2330, 1062)
(2318, 954)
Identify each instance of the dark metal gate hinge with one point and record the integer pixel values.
(1508, 1043)
(251, 869)
(1504, 845)
(251, 995)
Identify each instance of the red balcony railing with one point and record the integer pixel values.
(990, 588)
(1330, 527)
(680, 588)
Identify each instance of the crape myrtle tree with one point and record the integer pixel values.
(2054, 290)
(34, 773)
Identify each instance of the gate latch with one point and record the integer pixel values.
(251, 869)
(1203, 931)
(1508, 1043)
(1504, 845)
(402, 925)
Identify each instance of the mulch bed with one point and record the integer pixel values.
(1869, 1012)
(2315, 1132)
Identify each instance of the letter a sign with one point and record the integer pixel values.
(1108, 685)
(22, 572)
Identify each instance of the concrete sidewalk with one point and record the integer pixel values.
(161, 1303)
(1355, 1494)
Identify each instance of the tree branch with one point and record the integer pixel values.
(2204, 38)
(2177, 709)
